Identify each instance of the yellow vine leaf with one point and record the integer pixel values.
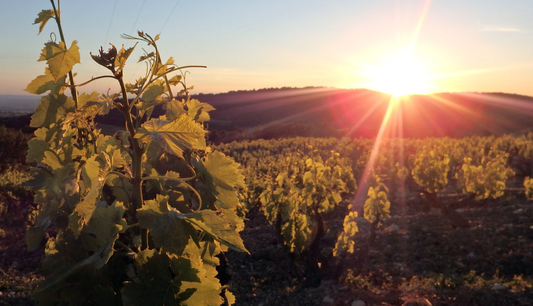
(43, 17)
(60, 59)
(174, 136)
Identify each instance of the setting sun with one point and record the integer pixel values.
(398, 76)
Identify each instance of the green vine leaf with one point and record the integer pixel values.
(51, 109)
(207, 289)
(199, 110)
(174, 136)
(102, 230)
(174, 108)
(219, 225)
(85, 98)
(43, 17)
(222, 177)
(71, 270)
(44, 83)
(93, 176)
(36, 148)
(223, 171)
(167, 225)
(154, 91)
(121, 58)
(60, 59)
(155, 284)
(51, 159)
(84, 210)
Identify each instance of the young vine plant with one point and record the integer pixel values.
(140, 216)
(297, 202)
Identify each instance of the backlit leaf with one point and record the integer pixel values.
(219, 226)
(154, 90)
(166, 224)
(36, 149)
(199, 110)
(174, 108)
(51, 109)
(122, 57)
(223, 170)
(174, 136)
(85, 209)
(43, 18)
(83, 98)
(60, 60)
(222, 176)
(102, 230)
(207, 290)
(44, 83)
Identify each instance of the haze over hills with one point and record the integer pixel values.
(320, 111)
(18, 103)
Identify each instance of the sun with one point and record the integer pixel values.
(400, 75)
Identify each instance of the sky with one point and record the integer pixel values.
(461, 45)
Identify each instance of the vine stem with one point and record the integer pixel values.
(136, 161)
(72, 86)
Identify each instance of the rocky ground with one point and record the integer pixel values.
(417, 259)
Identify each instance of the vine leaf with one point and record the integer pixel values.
(221, 227)
(170, 229)
(223, 171)
(43, 17)
(84, 210)
(36, 148)
(174, 108)
(51, 159)
(60, 59)
(345, 241)
(103, 229)
(174, 136)
(222, 176)
(122, 57)
(155, 284)
(84, 98)
(44, 83)
(35, 234)
(51, 109)
(166, 224)
(207, 291)
(199, 110)
(90, 252)
(153, 91)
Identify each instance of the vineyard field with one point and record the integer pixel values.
(417, 253)
(151, 195)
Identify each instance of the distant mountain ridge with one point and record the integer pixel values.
(322, 111)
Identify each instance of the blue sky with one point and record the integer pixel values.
(463, 45)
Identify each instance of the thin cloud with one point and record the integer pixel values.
(501, 29)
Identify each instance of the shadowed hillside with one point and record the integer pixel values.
(360, 112)
(320, 111)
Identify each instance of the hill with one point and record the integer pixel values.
(360, 112)
(320, 111)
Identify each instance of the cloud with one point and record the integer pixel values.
(501, 29)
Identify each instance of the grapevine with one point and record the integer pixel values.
(299, 199)
(140, 215)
